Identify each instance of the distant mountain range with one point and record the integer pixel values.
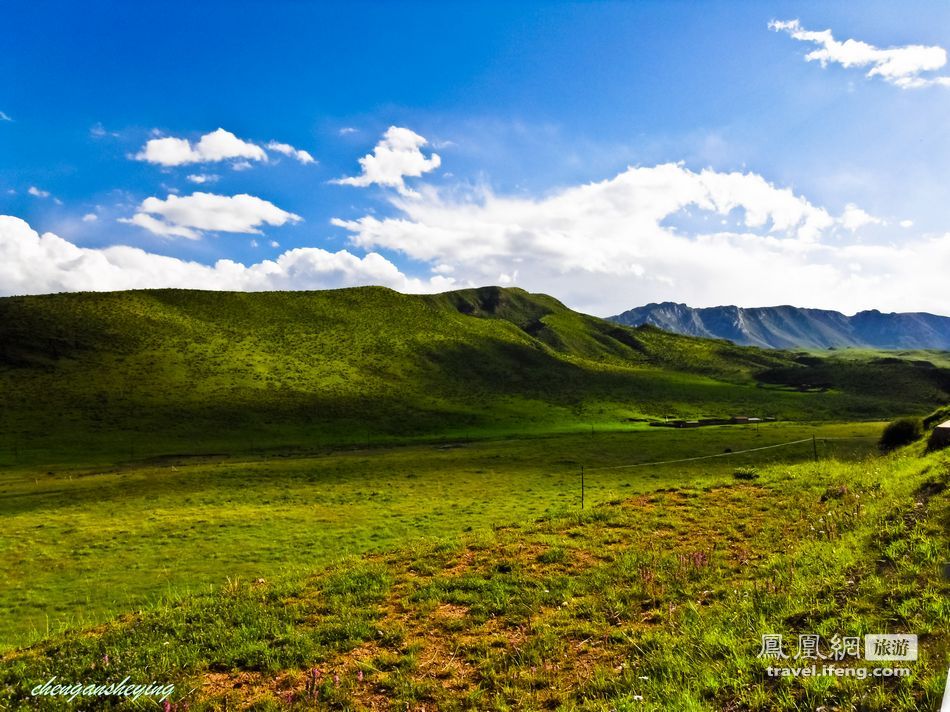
(788, 327)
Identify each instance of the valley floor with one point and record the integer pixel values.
(82, 544)
(656, 596)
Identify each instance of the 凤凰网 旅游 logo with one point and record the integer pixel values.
(810, 646)
(71, 690)
(812, 656)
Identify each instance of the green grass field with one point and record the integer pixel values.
(81, 544)
(655, 599)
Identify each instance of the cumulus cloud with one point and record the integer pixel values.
(35, 264)
(650, 233)
(37, 193)
(201, 178)
(288, 150)
(187, 216)
(610, 245)
(904, 67)
(90, 217)
(160, 227)
(854, 218)
(219, 145)
(397, 156)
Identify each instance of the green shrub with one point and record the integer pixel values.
(900, 432)
(746, 473)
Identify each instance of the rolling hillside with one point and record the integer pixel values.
(788, 327)
(129, 374)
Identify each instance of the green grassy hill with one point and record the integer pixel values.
(216, 528)
(131, 374)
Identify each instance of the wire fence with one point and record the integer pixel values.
(701, 457)
(813, 440)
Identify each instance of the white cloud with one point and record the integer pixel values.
(601, 247)
(610, 245)
(398, 155)
(201, 178)
(4, 116)
(160, 227)
(219, 145)
(90, 217)
(906, 223)
(901, 66)
(188, 216)
(98, 131)
(854, 218)
(35, 264)
(347, 130)
(37, 193)
(288, 150)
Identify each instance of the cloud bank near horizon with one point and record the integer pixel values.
(651, 233)
(664, 233)
(31, 263)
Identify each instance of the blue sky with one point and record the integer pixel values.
(610, 154)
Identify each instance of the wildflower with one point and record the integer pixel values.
(336, 679)
(359, 676)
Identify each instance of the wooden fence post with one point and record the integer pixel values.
(582, 486)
